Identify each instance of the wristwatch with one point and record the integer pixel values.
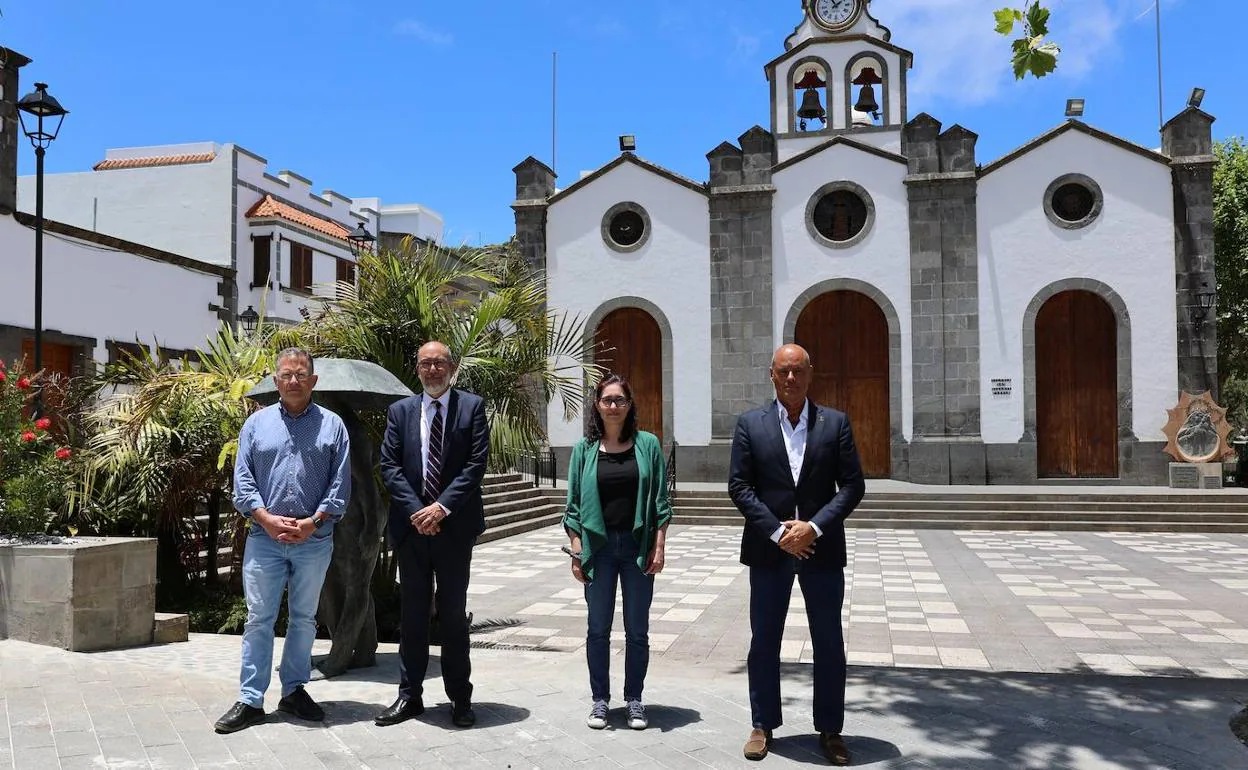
(318, 520)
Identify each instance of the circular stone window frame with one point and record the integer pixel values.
(1098, 200)
(832, 187)
(616, 210)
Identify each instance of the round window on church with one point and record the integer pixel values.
(840, 214)
(626, 227)
(1072, 201)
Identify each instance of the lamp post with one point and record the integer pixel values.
(250, 319)
(359, 239)
(40, 105)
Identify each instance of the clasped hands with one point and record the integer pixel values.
(286, 529)
(428, 520)
(798, 538)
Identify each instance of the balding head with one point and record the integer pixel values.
(790, 374)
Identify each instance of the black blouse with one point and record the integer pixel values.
(618, 479)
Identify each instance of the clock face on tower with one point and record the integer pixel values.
(835, 15)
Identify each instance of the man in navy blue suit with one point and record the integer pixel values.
(433, 461)
(795, 477)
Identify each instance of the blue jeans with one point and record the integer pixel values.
(617, 560)
(269, 569)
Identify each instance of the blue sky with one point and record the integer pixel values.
(434, 102)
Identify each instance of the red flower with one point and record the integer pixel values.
(23, 383)
(28, 436)
(43, 423)
(2, 377)
(62, 453)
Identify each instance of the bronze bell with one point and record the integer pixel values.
(866, 100)
(811, 106)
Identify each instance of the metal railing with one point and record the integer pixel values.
(671, 471)
(538, 467)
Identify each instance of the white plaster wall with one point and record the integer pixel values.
(412, 219)
(181, 209)
(1129, 247)
(672, 271)
(889, 141)
(93, 291)
(881, 259)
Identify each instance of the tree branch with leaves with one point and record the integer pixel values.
(1033, 53)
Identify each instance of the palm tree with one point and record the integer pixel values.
(162, 444)
(488, 306)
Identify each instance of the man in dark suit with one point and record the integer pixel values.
(795, 477)
(433, 461)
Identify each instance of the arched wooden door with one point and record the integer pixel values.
(630, 344)
(846, 334)
(1076, 387)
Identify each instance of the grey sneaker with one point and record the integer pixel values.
(597, 715)
(637, 715)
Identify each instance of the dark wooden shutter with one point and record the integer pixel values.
(261, 260)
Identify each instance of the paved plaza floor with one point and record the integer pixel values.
(978, 650)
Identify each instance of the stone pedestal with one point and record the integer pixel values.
(1196, 475)
(88, 594)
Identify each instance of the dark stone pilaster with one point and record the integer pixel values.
(535, 183)
(742, 336)
(944, 288)
(1188, 140)
(10, 128)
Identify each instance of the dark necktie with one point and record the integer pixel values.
(433, 466)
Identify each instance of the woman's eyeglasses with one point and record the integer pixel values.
(618, 401)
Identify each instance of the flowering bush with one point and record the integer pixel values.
(34, 466)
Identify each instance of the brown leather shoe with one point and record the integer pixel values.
(834, 748)
(756, 746)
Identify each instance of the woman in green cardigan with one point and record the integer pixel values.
(617, 517)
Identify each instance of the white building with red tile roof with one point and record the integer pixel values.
(219, 204)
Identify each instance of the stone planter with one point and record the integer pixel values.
(92, 593)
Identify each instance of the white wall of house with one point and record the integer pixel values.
(881, 258)
(91, 290)
(671, 270)
(184, 209)
(1129, 247)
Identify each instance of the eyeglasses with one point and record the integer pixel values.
(429, 364)
(293, 376)
(619, 401)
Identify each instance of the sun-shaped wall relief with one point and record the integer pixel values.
(1197, 429)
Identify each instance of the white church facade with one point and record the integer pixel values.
(999, 322)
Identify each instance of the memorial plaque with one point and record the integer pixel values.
(1184, 476)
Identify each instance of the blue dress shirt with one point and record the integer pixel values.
(294, 465)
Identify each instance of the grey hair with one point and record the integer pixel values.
(296, 353)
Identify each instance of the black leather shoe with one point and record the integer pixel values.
(301, 705)
(462, 714)
(401, 710)
(239, 717)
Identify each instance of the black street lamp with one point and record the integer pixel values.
(360, 239)
(42, 106)
(250, 319)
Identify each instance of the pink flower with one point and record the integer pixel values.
(63, 453)
(23, 383)
(43, 423)
(3, 377)
(28, 436)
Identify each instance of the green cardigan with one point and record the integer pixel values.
(584, 514)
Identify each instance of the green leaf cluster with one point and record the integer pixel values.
(1032, 53)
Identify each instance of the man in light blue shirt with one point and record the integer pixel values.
(292, 479)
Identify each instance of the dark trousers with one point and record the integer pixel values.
(823, 590)
(421, 559)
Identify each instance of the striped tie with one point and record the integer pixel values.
(433, 466)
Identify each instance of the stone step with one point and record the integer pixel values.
(1230, 517)
(510, 517)
(171, 627)
(506, 487)
(490, 497)
(1122, 524)
(520, 527)
(502, 478)
(876, 498)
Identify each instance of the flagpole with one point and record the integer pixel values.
(1161, 115)
(554, 88)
